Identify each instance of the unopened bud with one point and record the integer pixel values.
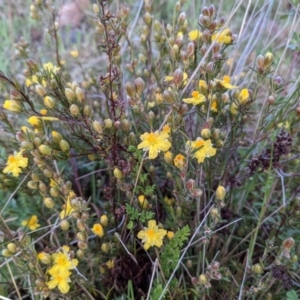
(74, 110)
(57, 137)
(139, 85)
(206, 133)
(48, 173)
(64, 145)
(147, 18)
(178, 77)
(26, 145)
(49, 102)
(257, 269)
(260, 62)
(203, 279)
(220, 192)
(108, 123)
(268, 60)
(87, 111)
(64, 225)
(12, 247)
(169, 96)
(104, 220)
(118, 173)
(41, 91)
(70, 95)
(96, 8)
(288, 243)
(79, 94)
(32, 185)
(48, 202)
(45, 150)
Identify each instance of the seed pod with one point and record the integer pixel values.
(48, 202)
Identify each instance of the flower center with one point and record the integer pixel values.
(152, 138)
(199, 144)
(150, 232)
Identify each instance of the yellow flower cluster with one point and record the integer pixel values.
(32, 223)
(60, 270)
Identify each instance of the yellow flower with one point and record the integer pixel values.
(110, 264)
(50, 68)
(154, 142)
(62, 261)
(214, 106)
(203, 87)
(43, 112)
(220, 192)
(225, 83)
(169, 201)
(67, 209)
(170, 235)
(223, 37)
(143, 202)
(196, 99)
(60, 280)
(14, 164)
(36, 121)
(242, 100)
(202, 149)
(151, 235)
(168, 157)
(195, 35)
(179, 161)
(12, 105)
(32, 223)
(243, 96)
(74, 53)
(166, 129)
(98, 230)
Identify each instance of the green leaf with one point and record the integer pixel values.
(292, 295)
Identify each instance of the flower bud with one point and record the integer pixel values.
(54, 192)
(147, 18)
(80, 254)
(70, 95)
(6, 253)
(105, 247)
(64, 145)
(170, 235)
(257, 269)
(190, 49)
(96, 8)
(64, 225)
(104, 220)
(118, 173)
(32, 185)
(108, 123)
(45, 150)
(12, 247)
(37, 141)
(48, 202)
(82, 245)
(143, 202)
(79, 94)
(45, 258)
(48, 173)
(288, 244)
(87, 111)
(190, 184)
(178, 211)
(206, 133)
(49, 102)
(169, 96)
(139, 85)
(26, 145)
(168, 157)
(74, 110)
(41, 91)
(260, 62)
(42, 186)
(220, 192)
(81, 236)
(203, 279)
(130, 89)
(178, 77)
(268, 60)
(57, 137)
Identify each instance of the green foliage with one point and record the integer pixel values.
(292, 295)
(171, 254)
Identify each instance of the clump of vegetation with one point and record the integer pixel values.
(166, 170)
